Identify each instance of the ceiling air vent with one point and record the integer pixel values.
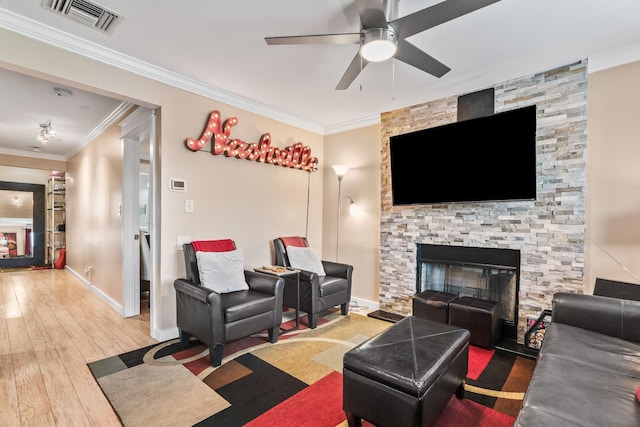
(85, 12)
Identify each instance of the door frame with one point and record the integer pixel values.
(137, 127)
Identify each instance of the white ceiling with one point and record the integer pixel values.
(217, 48)
(34, 101)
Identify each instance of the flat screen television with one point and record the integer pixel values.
(490, 158)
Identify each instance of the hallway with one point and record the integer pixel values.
(51, 325)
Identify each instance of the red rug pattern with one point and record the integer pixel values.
(323, 399)
(479, 358)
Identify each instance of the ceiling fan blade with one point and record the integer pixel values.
(344, 38)
(372, 14)
(351, 14)
(352, 72)
(421, 60)
(436, 15)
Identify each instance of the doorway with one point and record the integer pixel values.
(144, 220)
(138, 132)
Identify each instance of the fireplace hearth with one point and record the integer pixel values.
(487, 273)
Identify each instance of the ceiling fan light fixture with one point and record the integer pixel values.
(379, 44)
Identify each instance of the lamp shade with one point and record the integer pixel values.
(354, 209)
(340, 170)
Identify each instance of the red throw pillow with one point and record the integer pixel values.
(213, 245)
(638, 394)
(294, 241)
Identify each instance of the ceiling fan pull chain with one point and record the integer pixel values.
(360, 74)
(393, 79)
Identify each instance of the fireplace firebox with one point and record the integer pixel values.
(487, 273)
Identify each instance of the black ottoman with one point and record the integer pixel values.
(479, 316)
(406, 375)
(433, 305)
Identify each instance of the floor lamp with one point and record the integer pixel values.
(340, 171)
(306, 229)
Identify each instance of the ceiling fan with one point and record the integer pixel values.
(381, 39)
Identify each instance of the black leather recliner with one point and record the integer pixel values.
(317, 293)
(218, 318)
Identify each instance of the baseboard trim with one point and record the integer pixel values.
(110, 302)
(165, 334)
(357, 304)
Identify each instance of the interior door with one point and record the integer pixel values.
(136, 130)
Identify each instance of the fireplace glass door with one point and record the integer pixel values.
(485, 282)
(486, 273)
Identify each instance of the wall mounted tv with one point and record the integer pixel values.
(490, 158)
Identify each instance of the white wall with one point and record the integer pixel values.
(613, 176)
(359, 234)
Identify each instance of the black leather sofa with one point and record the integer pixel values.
(588, 368)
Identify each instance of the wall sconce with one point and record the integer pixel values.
(16, 202)
(354, 209)
(340, 171)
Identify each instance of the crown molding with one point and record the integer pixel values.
(33, 154)
(60, 39)
(352, 124)
(113, 117)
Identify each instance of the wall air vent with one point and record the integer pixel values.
(85, 12)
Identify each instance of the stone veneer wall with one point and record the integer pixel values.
(549, 231)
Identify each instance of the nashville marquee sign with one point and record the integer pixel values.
(295, 156)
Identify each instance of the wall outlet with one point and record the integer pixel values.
(181, 240)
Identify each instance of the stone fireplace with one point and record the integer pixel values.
(548, 233)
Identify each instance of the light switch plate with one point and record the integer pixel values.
(188, 206)
(181, 240)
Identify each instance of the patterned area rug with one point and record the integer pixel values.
(296, 382)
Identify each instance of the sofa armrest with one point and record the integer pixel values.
(199, 312)
(306, 276)
(262, 282)
(337, 269)
(610, 316)
(197, 292)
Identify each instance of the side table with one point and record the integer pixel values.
(280, 271)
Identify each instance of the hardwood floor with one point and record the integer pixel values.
(51, 326)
